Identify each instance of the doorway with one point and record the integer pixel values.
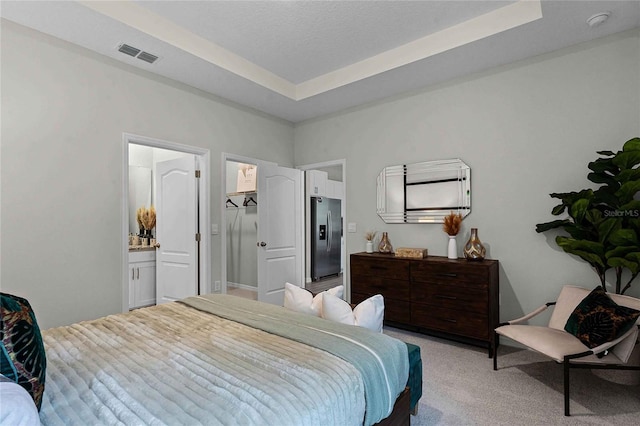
(162, 152)
(327, 179)
(265, 222)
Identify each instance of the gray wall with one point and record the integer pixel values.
(64, 110)
(526, 130)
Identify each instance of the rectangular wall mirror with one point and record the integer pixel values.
(424, 192)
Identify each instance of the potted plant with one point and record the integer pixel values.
(603, 224)
(603, 227)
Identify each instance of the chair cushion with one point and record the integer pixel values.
(22, 351)
(551, 342)
(598, 319)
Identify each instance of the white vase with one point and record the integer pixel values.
(369, 246)
(452, 248)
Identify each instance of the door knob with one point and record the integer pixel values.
(261, 244)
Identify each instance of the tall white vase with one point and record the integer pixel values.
(452, 248)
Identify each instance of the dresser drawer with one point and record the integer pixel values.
(460, 322)
(370, 285)
(394, 310)
(467, 275)
(381, 267)
(451, 296)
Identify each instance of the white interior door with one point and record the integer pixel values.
(280, 232)
(176, 228)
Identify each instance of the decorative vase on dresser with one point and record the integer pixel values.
(385, 245)
(452, 248)
(455, 299)
(369, 246)
(474, 249)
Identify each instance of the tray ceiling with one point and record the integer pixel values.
(302, 59)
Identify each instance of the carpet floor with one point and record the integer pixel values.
(461, 388)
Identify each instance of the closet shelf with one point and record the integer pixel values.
(231, 194)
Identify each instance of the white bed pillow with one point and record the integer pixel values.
(369, 313)
(16, 405)
(301, 300)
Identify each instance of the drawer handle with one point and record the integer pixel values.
(450, 320)
(441, 296)
(448, 274)
(378, 267)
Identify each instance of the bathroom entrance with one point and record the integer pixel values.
(168, 181)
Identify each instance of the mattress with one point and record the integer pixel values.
(180, 364)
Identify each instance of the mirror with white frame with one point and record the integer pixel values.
(424, 192)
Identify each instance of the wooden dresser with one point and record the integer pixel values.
(456, 299)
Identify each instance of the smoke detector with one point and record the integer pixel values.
(598, 19)
(137, 53)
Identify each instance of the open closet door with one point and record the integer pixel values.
(280, 232)
(176, 229)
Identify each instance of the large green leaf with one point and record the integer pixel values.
(632, 145)
(619, 262)
(590, 251)
(628, 175)
(602, 178)
(606, 195)
(559, 209)
(622, 251)
(624, 237)
(579, 209)
(628, 190)
(543, 227)
(632, 209)
(627, 159)
(634, 256)
(603, 165)
(606, 227)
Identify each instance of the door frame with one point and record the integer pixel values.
(307, 250)
(223, 196)
(203, 155)
(223, 216)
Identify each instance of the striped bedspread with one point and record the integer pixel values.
(176, 365)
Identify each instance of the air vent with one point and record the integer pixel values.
(128, 50)
(137, 53)
(147, 57)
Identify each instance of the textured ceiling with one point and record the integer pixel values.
(302, 59)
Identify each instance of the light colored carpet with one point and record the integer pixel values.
(461, 388)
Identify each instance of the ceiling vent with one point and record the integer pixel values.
(137, 53)
(147, 57)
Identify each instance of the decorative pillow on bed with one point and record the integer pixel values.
(23, 358)
(369, 313)
(301, 300)
(598, 319)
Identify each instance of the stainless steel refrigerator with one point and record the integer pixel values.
(326, 235)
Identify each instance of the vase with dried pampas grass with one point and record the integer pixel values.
(369, 236)
(451, 226)
(146, 220)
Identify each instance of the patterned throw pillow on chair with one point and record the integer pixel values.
(598, 319)
(22, 356)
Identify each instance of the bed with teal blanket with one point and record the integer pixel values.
(219, 359)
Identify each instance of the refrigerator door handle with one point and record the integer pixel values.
(330, 231)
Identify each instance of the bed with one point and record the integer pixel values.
(221, 360)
